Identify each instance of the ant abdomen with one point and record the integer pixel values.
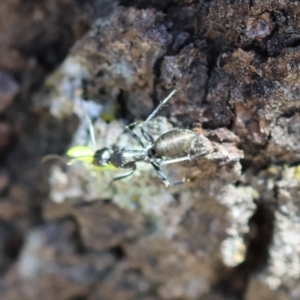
(175, 143)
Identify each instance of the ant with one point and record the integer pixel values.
(171, 147)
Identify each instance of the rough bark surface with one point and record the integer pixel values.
(230, 232)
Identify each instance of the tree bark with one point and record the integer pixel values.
(232, 230)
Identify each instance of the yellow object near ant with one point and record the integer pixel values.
(86, 155)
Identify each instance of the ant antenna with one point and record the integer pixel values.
(90, 124)
(52, 156)
(91, 129)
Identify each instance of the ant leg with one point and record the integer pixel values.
(163, 177)
(180, 159)
(156, 110)
(124, 175)
(135, 136)
(133, 124)
(173, 161)
(146, 135)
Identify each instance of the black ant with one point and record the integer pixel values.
(171, 147)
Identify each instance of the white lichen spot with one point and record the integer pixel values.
(29, 264)
(284, 261)
(66, 87)
(233, 250)
(240, 204)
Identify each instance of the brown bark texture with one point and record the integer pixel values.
(231, 231)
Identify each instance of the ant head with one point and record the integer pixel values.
(102, 157)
